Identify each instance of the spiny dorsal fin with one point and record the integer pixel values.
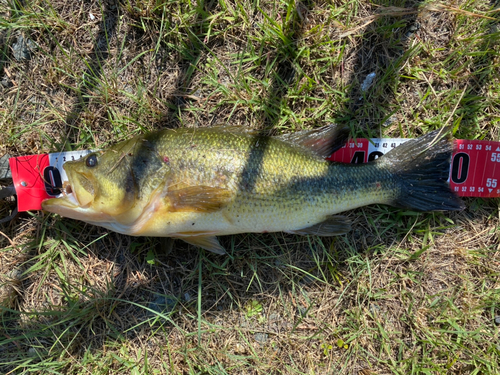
(333, 226)
(323, 141)
(237, 129)
(210, 243)
(198, 199)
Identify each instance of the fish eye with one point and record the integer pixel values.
(91, 161)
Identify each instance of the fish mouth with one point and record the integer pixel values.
(76, 200)
(69, 206)
(79, 188)
(68, 198)
(66, 205)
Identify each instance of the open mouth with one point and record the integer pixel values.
(69, 197)
(68, 204)
(66, 200)
(78, 190)
(67, 188)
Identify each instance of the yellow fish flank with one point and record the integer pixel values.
(195, 184)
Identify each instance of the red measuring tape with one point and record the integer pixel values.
(39, 177)
(474, 170)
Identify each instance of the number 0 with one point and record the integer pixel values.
(460, 168)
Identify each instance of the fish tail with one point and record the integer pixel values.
(422, 167)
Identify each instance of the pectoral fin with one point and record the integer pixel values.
(198, 199)
(210, 243)
(333, 226)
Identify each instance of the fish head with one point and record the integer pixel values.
(101, 187)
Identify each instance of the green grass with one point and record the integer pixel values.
(402, 293)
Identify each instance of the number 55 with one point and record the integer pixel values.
(491, 182)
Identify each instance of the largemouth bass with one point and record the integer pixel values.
(196, 184)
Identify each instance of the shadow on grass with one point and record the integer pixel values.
(93, 74)
(284, 77)
(194, 50)
(384, 50)
(386, 47)
(473, 104)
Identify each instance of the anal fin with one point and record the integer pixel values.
(332, 226)
(210, 243)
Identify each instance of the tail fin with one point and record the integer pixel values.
(422, 167)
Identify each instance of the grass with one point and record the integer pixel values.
(402, 293)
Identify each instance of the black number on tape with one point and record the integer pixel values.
(460, 167)
(375, 155)
(53, 181)
(358, 157)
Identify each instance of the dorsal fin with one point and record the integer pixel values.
(323, 141)
(237, 129)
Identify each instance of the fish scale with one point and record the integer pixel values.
(268, 186)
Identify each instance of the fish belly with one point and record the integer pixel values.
(248, 216)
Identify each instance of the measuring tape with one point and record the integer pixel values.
(474, 169)
(39, 177)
